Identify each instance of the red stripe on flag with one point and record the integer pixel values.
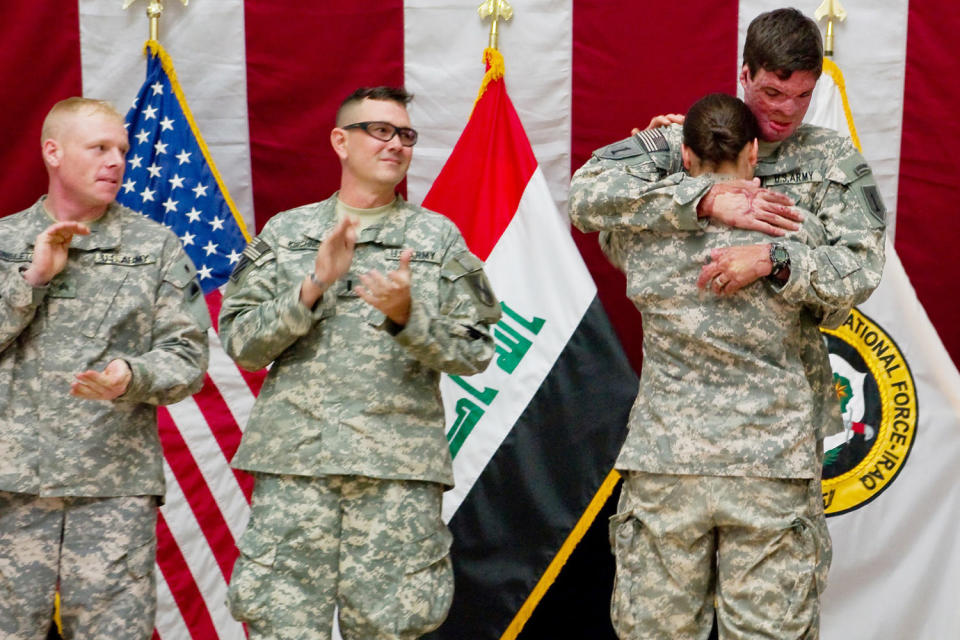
(610, 97)
(223, 427)
(927, 225)
(199, 497)
(480, 186)
(173, 565)
(298, 72)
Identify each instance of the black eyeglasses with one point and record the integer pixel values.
(385, 131)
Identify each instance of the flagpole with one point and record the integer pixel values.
(831, 10)
(496, 10)
(154, 11)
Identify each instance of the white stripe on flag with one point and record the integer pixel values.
(211, 464)
(169, 623)
(229, 382)
(536, 270)
(443, 47)
(199, 558)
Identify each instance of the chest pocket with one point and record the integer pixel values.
(102, 288)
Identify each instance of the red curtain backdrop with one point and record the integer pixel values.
(330, 49)
(39, 65)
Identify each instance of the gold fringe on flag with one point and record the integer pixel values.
(495, 70)
(831, 69)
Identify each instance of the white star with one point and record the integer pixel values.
(216, 223)
(176, 182)
(193, 214)
(157, 88)
(170, 204)
(126, 125)
(133, 104)
(150, 112)
(154, 170)
(233, 256)
(161, 147)
(210, 248)
(205, 272)
(166, 124)
(143, 136)
(135, 162)
(184, 157)
(187, 238)
(200, 190)
(129, 185)
(147, 194)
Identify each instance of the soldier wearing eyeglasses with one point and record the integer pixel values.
(359, 302)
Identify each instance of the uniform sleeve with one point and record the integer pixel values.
(637, 185)
(260, 317)
(845, 269)
(453, 335)
(173, 368)
(18, 302)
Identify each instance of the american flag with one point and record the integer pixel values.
(171, 178)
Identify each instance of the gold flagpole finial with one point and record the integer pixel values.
(831, 10)
(154, 10)
(497, 10)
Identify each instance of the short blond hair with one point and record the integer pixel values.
(76, 104)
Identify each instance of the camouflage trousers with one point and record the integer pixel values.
(748, 548)
(376, 549)
(100, 551)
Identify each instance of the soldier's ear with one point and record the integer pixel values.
(338, 140)
(52, 152)
(687, 156)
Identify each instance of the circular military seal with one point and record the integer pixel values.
(878, 400)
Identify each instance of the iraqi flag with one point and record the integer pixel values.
(533, 438)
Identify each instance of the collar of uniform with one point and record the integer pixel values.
(777, 162)
(323, 221)
(105, 231)
(389, 230)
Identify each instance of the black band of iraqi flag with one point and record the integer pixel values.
(540, 482)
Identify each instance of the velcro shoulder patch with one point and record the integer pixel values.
(653, 140)
(256, 248)
(626, 148)
(257, 251)
(461, 264)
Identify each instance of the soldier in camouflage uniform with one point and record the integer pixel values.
(359, 301)
(636, 188)
(101, 319)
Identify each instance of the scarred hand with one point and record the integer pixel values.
(743, 204)
(733, 268)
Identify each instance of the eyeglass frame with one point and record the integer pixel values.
(365, 126)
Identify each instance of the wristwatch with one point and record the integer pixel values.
(779, 259)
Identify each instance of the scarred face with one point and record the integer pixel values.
(779, 105)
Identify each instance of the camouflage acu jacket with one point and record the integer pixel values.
(128, 291)
(637, 186)
(346, 394)
(723, 389)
